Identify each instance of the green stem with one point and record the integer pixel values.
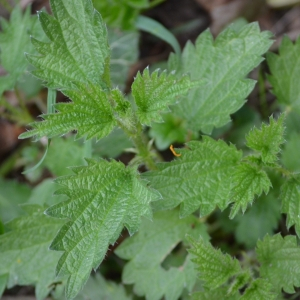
(51, 100)
(141, 143)
(134, 130)
(283, 171)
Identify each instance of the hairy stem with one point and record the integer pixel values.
(134, 130)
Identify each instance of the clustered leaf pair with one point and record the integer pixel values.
(204, 86)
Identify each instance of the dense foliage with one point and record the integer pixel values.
(244, 180)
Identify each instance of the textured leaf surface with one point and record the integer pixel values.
(90, 114)
(215, 267)
(201, 177)
(75, 60)
(259, 290)
(267, 140)
(77, 51)
(285, 70)
(97, 288)
(240, 281)
(25, 254)
(103, 197)
(214, 294)
(249, 181)
(148, 248)
(290, 196)
(224, 64)
(280, 261)
(14, 41)
(153, 93)
(262, 218)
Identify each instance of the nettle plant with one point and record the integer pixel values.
(166, 207)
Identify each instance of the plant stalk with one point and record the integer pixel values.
(134, 131)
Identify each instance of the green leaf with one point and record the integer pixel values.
(77, 53)
(90, 113)
(268, 139)
(244, 120)
(201, 177)
(292, 123)
(121, 105)
(173, 129)
(285, 69)
(25, 254)
(290, 197)
(214, 294)
(103, 197)
(12, 194)
(259, 289)
(262, 218)
(249, 181)
(238, 24)
(223, 64)
(2, 230)
(121, 13)
(144, 269)
(290, 153)
(112, 145)
(153, 93)
(280, 262)
(64, 153)
(97, 288)
(3, 282)
(29, 85)
(157, 29)
(215, 267)
(39, 163)
(14, 41)
(124, 53)
(43, 194)
(239, 282)
(75, 60)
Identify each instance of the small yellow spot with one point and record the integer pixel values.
(173, 151)
(19, 261)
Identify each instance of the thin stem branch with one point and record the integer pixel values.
(134, 130)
